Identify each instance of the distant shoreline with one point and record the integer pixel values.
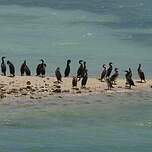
(34, 88)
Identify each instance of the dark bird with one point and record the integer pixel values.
(141, 74)
(114, 76)
(11, 68)
(3, 66)
(130, 72)
(109, 70)
(84, 68)
(74, 82)
(103, 74)
(80, 70)
(43, 70)
(129, 80)
(84, 79)
(40, 70)
(109, 83)
(25, 69)
(22, 69)
(58, 75)
(67, 69)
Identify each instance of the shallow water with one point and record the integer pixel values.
(109, 123)
(97, 31)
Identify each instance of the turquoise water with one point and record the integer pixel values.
(97, 31)
(110, 123)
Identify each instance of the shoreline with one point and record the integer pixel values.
(35, 88)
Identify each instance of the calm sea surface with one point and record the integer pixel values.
(97, 31)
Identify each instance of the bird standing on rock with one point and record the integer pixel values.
(80, 70)
(103, 74)
(114, 76)
(84, 79)
(11, 68)
(40, 70)
(58, 75)
(25, 69)
(84, 68)
(3, 66)
(141, 74)
(129, 79)
(109, 70)
(130, 72)
(74, 82)
(109, 83)
(67, 69)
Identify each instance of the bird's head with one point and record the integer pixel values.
(3, 57)
(69, 61)
(80, 61)
(8, 62)
(104, 65)
(42, 60)
(110, 63)
(58, 69)
(116, 69)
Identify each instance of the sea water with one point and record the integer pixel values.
(97, 31)
(109, 123)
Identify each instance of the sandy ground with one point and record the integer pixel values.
(37, 88)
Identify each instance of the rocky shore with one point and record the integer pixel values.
(32, 87)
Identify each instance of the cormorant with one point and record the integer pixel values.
(11, 68)
(114, 76)
(129, 79)
(109, 83)
(141, 74)
(109, 70)
(3, 66)
(84, 79)
(43, 66)
(84, 69)
(25, 69)
(58, 75)
(80, 70)
(103, 74)
(74, 82)
(67, 69)
(40, 70)
(130, 72)
(22, 69)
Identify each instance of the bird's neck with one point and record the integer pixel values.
(139, 67)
